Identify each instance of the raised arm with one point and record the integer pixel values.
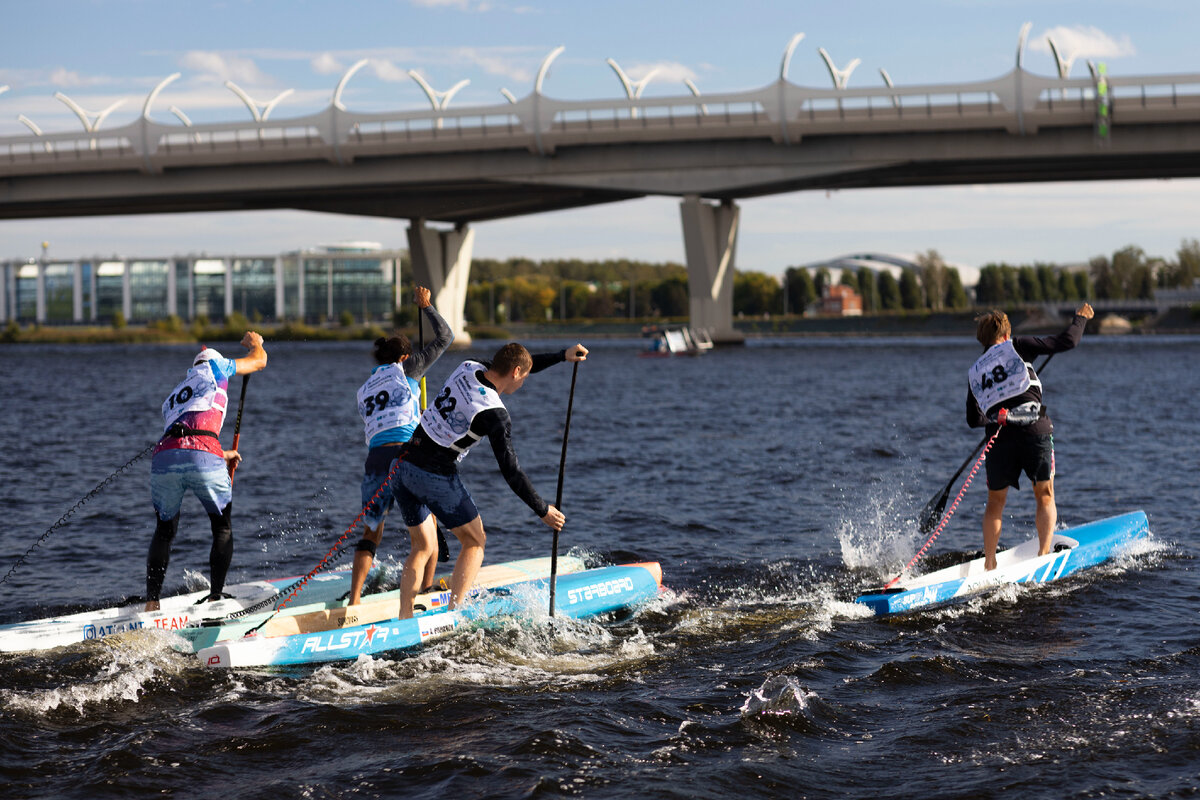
(256, 359)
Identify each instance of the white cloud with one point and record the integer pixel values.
(221, 66)
(497, 62)
(461, 5)
(385, 70)
(667, 72)
(327, 64)
(1082, 41)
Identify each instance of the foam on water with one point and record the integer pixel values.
(125, 665)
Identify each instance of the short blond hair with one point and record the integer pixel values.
(992, 327)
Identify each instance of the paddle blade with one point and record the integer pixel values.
(932, 512)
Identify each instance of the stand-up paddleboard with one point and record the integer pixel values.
(175, 612)
(581, 594)
(336, 615)
(1070, 551)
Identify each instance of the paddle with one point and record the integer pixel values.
(562, 464)
(932, 511)
(237, 426)
(443, 547)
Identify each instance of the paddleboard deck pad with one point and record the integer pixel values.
(577, 595)
(175, 612)
(1070, 551)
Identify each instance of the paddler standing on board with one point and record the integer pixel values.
(1002, 383)
(389, 407)
(467, 410)
(189, 457)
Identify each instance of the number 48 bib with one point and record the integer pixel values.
(998, 375)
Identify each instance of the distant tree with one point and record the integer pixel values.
(670, 297)
(868, 287)
(1143, 283)
(990, 289)
(822, 280)
(1048, 279)
(1083, 286)
(1066, 286)
(889, 291)
(1102, 278)
(850, 278)
(118, 319)
(910, 290)
(1031, 287)
(1187, 269)
(956, 295)
(1012, 284)
(801, 290)
(755, 293)
(933, 278)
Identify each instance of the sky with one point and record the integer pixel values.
(99, 52)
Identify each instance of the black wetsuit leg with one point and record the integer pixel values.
(221, 554)
(160, 554)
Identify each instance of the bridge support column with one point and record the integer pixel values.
(709, 242)
(442, 261)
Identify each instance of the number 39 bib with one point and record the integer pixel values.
(998, 375)
(387, 401)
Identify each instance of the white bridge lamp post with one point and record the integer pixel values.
(633, 89)
(439, 100)
(260, 116)
(91, 122)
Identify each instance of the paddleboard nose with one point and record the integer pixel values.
(653, 567)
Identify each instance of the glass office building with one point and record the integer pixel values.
(313, 286)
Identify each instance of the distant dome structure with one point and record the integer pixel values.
(887, 262)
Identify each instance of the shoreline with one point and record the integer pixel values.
(1176, 321)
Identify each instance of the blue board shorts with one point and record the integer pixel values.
(1015, 452)
(175, 472)
(418, 493)
(375, 475)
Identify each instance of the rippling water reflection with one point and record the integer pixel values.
(772, 483)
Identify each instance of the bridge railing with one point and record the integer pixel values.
(1019, 102)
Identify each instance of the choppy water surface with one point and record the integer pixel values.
(772, 482)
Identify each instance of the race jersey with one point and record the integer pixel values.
(388, 404)
(1000, 374)
(447, 420)
(199, 401)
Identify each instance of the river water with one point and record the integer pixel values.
(772, 482)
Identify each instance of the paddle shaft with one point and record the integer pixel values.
(237, 425)
(937, 504)
(562, 465)
(421, 347)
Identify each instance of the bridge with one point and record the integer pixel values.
(464, 165)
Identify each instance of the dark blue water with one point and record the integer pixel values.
(772, 482)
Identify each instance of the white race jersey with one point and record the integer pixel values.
(998, 375)
(387, 401)
(199, 391)
(447, 420)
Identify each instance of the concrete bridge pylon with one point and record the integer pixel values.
(710, 243)
(441, 261)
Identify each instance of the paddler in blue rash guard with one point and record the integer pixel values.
(189, 458)
(467, 410)
(1003, 384)
(389, 407)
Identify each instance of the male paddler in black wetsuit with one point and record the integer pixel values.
(1002, 382)
(466, 410)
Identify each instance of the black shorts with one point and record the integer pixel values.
(1014, 452)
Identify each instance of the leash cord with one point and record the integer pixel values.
(330, 558)
(950, 512)
(62, 520)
